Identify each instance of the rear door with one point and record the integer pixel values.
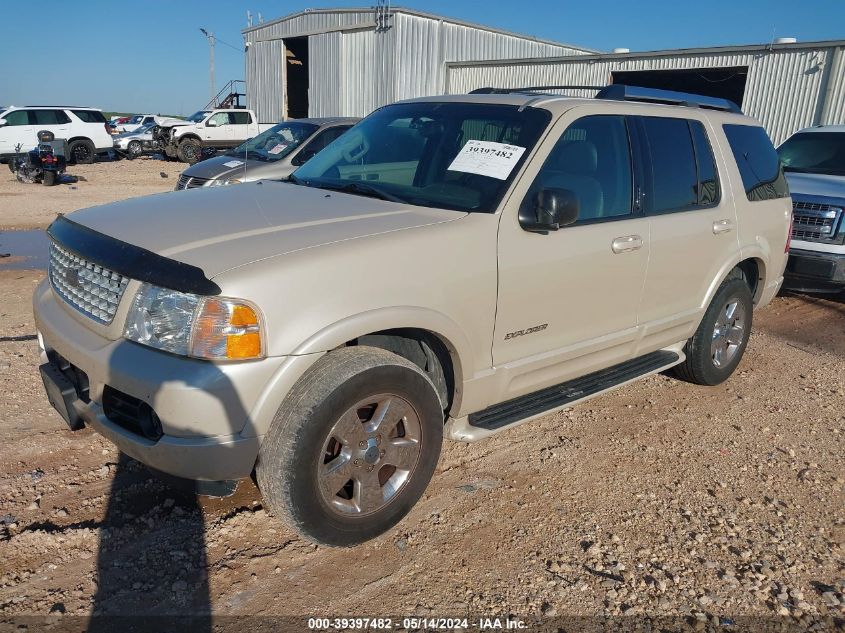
(241, 123)
(55, 121)
(693, 227)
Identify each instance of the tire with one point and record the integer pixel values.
(81, 152)
(325, 423)
(50, 178)
(717, 346)
(134, 149)
(189, 151)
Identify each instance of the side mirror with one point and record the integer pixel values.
(3, 122)
(212, 123)
(552, 208)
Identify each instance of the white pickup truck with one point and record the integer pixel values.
(218, 129)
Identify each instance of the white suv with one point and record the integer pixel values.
(85, 129)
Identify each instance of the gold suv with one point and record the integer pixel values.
(450, 267)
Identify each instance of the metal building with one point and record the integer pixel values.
(347, 62)
(787, 86)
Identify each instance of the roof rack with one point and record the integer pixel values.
(620, 92)
(529, 89)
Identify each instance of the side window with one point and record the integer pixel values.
(593, 160)
(18, 117)
(318, 143)
(709, 191)
(758, 162)
(674, 182)
(50, 117)
(240, 118)
(221, 118)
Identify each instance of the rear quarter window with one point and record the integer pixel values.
(757, 161)
(90, 116)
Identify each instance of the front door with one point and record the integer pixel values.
(568, 300)
(17, 131)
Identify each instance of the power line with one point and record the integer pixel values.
(235, 48)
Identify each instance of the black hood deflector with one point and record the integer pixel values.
(130, 260)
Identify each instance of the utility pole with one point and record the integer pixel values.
(210, 37)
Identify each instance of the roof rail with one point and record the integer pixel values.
(529, 89)
(621, 92)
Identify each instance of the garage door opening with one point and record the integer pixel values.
(725, 83)
(296, 77)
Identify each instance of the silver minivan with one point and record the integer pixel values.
(273, 154)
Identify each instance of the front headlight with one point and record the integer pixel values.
(213, 328)
(223, 183)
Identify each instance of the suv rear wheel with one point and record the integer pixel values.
(81, 151)
(353, 446)
(718, 344)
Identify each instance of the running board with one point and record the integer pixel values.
(484, 423)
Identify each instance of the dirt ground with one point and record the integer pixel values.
(26, 206)
(709, 506)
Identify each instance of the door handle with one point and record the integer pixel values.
(627, 243)
(722, 226)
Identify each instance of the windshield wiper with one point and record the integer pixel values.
(360, 189)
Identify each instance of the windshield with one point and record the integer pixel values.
(275, 143)
(459, 156)
(136, 119)
(196, 117)
(814, 153)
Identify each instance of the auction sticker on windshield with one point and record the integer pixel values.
(487, 158)
(277, 149)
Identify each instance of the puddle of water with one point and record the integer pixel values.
(27, 249)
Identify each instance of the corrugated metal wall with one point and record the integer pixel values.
(265, 81)
(353, 68)
(785, 89)
(424, 45)
(834, 110)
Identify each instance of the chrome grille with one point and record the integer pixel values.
(188, 182)
(91, 289)
(815, 221)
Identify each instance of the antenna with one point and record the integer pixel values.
(249, 18)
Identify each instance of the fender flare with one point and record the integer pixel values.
(756, 253)
(185, 137)
(337, 334)
(391, 318)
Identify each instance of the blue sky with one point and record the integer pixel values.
(149, 55)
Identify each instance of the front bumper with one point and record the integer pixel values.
(815, 271)
(213, 415)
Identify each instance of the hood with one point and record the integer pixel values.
(224, 167)
(814, 185)
(220, 228)
(166, 121)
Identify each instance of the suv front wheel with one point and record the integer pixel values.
(353, 446)
(718, 344)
